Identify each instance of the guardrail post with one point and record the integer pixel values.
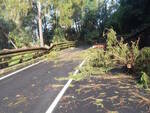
(5, 64)
(21, 59)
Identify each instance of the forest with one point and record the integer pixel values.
(81, 20)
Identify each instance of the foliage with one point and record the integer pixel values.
(58, 17)
(122, 52)
(100, 58)
(74, 19)
(5, 27)
(144, 80)
(65, 8)
(131, 15)
(125, 54)
(15, 10)
(111, 38)
(143, 61)
(100, 61)
(59, 35)
(21, 39)
(91, 36)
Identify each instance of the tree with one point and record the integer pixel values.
(15, 10)
(40, 25)
(82, 20)
(131, 15)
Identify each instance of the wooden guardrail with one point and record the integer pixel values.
(9, 58)
(64, 45)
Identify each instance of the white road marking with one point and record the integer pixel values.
(6, 76)
(61, 93)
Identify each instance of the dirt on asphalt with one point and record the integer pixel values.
(105, 94)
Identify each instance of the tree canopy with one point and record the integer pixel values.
(82, 20)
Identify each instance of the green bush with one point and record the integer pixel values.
(111, 38)
(100, 59)
(98, 62)
(144, 80)
(143, 61)
(121, 52)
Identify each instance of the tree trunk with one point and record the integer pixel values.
(40, 25)
(13, 44)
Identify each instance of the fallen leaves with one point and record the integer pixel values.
(20, 99)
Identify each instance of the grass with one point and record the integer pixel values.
(21, 65)
(16, 59)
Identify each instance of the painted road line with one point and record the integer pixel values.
(9, 75)
(61, 93)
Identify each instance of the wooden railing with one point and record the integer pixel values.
(64, 45)
(9, 58)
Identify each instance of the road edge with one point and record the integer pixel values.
(9, 75)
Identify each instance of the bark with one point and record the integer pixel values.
(40, 25)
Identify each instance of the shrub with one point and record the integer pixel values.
(144, 80)
(100, 58)
(111, 38)
(121, 52)
(143, 61)
(125, 54)
(98, 62)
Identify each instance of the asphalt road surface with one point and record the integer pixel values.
(33, 90)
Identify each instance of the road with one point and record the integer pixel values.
(34, 89)
(105, 94)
